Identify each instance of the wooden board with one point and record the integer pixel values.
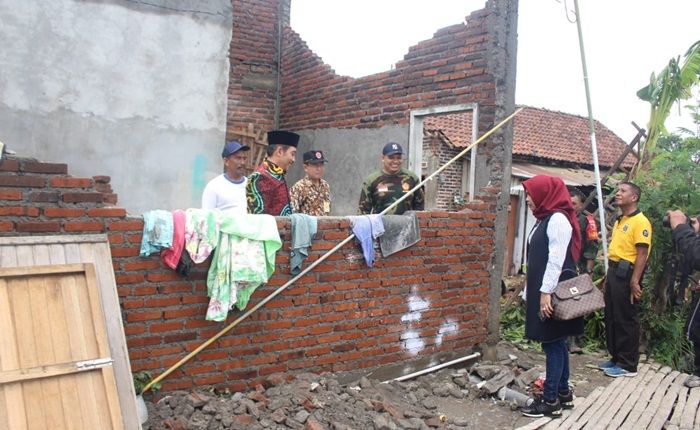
(77, 249)
(53, 338)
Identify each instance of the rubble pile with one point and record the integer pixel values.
(315, 402)
(321, 402)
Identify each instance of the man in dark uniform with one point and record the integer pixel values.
(383, 187)
(687, 242)
(629, 250)
(266, 190)
(589, 251)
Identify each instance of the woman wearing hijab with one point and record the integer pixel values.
(554, 247)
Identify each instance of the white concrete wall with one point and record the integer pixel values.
(119, 88)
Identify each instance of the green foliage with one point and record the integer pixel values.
(513, 327)
(665, 335)
(141, 379)
(674, 83)
(594, 332)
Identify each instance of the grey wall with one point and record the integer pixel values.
(352, 154)
(133, 90)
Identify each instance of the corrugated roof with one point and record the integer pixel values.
(542, 133)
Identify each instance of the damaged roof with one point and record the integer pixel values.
(541, 134)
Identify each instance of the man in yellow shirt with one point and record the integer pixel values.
(627, 258)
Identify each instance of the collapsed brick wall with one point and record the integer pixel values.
(451, 68)
(341, 316)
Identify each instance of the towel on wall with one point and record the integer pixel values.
(400, 232)
(304, 229)
(367, 228)
(157, 232)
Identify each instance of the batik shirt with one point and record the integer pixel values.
(267, 192)
(311, 199)
(381, 189)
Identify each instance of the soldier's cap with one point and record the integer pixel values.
(392, 148)
(233, 147)
(314, 157)
(281, 137)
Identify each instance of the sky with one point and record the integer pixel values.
(625, 41)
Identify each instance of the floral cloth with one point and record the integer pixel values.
(266, 190)
(244, 259)
(201, 232)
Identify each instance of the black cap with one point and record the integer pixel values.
(233, 146)
(314, 157)
(281, 137)
(392, 148)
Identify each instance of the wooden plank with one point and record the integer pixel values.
(39, 270)
(99, 254)
(31, 240)
(592, 411)
(59, 332)
(48, 371)
(577, 412)
(675, 419)
(642, 402)
(13, 404)
(691, 407)
(538, 423)
(666, 405)
(627, 406)
(607, 412)
(653, 408)
(39, 288)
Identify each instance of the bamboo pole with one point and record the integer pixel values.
(274, 294)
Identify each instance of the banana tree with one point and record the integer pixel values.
(674, 83)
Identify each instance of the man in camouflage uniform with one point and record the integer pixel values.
(312, 194)
(383, 187)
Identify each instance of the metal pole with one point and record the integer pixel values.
(315, 263)
(434, 368)
(594, 148)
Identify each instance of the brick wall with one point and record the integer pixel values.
(450, 179)
(253, 62)
(341, 316)
(451, 68)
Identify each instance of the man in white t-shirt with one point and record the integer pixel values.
(227, 191)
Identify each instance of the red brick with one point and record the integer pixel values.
(157, 302)
(131, 278)
(184, 312)
(22, 181)
(69, 182)
(64, 212)
(143, 316)
(37, 167)
(7, 226)
(82, 197)
(142, 264)
(83, 226)
(44, 197)
(102, 179)
(166, 326)
(8, 165)
(9, 194)
(107, 212)
(12, 210)
(163, 276)
(124, 252)
(38, 227)
(136, 225)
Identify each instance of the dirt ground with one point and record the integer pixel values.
(445, 399)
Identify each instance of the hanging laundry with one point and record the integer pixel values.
(201, 232)
(400, 232)
(367, 228)
(171, 256)
(157, 232)
(244, 259)
(304, 229)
